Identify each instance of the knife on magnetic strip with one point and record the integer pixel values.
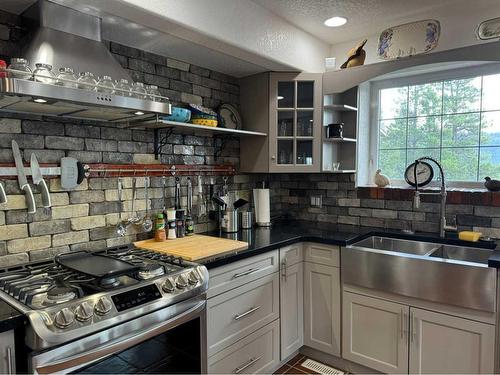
(21, 177)
(36, 175)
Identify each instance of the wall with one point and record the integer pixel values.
(381, 208)
(85, 218)
(458, 25)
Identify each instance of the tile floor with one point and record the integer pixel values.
(293, 366)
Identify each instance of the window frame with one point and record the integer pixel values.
(399, 79)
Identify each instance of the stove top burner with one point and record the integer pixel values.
(149, 270)
(109, 282)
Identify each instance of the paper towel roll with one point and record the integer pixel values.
(262, 207)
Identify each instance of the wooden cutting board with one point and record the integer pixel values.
(194, 247)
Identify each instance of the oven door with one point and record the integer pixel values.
(163, 344)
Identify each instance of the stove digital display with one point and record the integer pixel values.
(127, 300)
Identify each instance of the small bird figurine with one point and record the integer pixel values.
(381, 180)
(492, 185)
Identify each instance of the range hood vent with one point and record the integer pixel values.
(64, 37)
(67, 38)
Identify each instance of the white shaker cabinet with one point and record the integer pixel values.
(375, 333)
(444, 344)
(322, 308)
(291, 309)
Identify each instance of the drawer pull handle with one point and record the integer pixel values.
(242, 315)
(249, 272)
(241, 368)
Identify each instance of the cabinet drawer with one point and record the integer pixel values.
(329, 255)
(258, 353)
(241, 272)
(290, 255)
(239, 312)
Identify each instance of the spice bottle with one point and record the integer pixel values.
(160, 234)
(189, 223)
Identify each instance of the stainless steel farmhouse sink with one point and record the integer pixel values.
(447, 274)
(460, 253)
(397, 245)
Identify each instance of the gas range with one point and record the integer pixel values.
(63, 305)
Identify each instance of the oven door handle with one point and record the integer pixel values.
(118, 346)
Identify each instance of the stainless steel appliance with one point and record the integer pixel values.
(75, 43)
(131, 311)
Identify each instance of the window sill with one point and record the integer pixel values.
(479, 196)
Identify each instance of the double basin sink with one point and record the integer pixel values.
(448, 274)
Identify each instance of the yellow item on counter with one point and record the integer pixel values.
(469, 236)
(205, 122)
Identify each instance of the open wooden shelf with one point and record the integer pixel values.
(163, 124)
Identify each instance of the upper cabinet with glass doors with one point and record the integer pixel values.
(292, 119)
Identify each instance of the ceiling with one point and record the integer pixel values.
(365, 17)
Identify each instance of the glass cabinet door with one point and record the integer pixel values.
(294, 122)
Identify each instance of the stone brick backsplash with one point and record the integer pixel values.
(342, 203)
(85, 217)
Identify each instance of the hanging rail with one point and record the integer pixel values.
(8, 170)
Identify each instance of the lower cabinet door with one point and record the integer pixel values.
(375, 333)
(291, 309)
(258, 353)
(322, 308)
(443, 344)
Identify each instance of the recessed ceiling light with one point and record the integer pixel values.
(139, 113)
(39, 100)
(335, 21)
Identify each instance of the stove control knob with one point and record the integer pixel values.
(168, 286)
(84, 312)
(193, 277)
(64, 318)
(103, 306)
(181, 282)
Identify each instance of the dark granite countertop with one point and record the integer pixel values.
(10, 318)
(286, 233)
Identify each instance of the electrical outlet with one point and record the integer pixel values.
(316, 201)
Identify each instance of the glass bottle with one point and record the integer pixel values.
(105, 85)
(138, 91)
(122, 88)
(43, 73)
(21, 65)
(154, 93)
(86, 80)
(67, 74)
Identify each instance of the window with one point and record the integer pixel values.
(455, 121)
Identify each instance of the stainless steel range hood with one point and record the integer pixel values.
(64, 37)
(67, 38)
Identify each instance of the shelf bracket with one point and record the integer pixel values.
(160, 140)
(224, 139)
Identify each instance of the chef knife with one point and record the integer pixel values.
(21, 177)
(38, 180)
(3, 196)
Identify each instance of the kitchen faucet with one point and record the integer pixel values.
(443, 227)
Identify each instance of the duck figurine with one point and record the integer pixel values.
(381, 180)
(492, 185)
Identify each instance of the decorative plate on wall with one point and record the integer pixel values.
(489, 29)
(409, 39)
(230, 116)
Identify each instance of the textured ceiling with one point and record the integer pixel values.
(365, 17)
